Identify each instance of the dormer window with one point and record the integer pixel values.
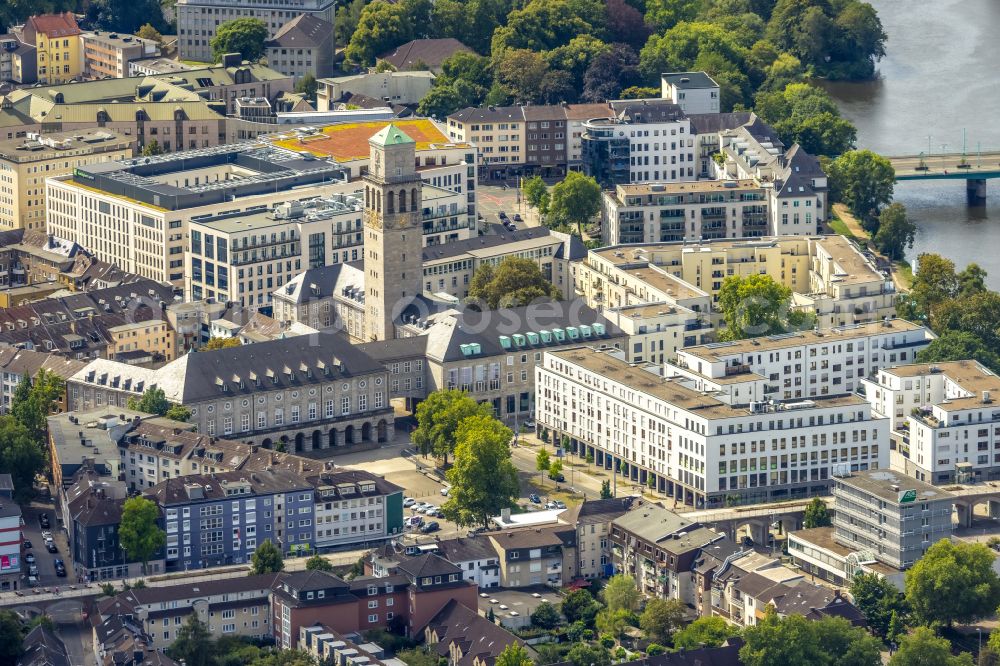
(372, 590)
(437, 579)
(309, 595)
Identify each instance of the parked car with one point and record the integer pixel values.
(551, 505)
(30, 558)
(409, 501)
(517, 217)
(445, 491)
(417, 506)
(46, 536)
(33, 570)
(534, 499)
(32, 580)
(430, 527)
(558, 478)
(415, 521)
(502, 215)
(51, 547)
(26, 544)
(560, 504)
(43, 520)
(428, 509)
(530, 423)
(60, 567)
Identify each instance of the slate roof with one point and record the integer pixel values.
(478, 638)
(303, 31)
(305, 581)
(187, 592)
(488, 114)
(329, 281)
(652, 523)
(43, 648)
(689, 80)
(428, 564)
(430, 52)
(465, 549)
(800, 169)
(171, 492)
(203, 375)
(710, 123)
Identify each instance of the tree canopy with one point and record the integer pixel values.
(864, 182)
(896, 231)
(830, 641)
(21, 456)
(923, 647)
(878, 600)
(439, 417)
(515, 281)
(661, 618)
(953, 582)
(703, 632)
(483, 479)
(757, 305)
(153, 401)
(621, 593)
(807, 115)
(245, 36)
(816, 514)
(574, 201)
(266, 559)
(318, 563)
(221, 343)
(138, 531)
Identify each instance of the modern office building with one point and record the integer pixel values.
(137, 212)
(944, 419)
(702, 447)
(198, 20)
(885, 521)
(221, 518)
(26, 162)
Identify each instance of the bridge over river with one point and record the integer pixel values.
(975, 169)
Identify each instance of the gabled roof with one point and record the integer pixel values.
(55, 25)
(428, 564)
(305, 581)
(43, 648)
(429, 52)
(653, 523)
(477, 638)
(303, 31)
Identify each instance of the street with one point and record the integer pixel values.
(44, 559)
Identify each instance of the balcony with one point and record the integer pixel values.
(740, 369)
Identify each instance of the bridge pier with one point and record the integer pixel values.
(975, 190)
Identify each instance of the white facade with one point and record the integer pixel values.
(694, 92)
(800, 365)
(944, 418)
(349, 521)
(703, 449)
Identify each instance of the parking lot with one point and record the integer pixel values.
(43, 559)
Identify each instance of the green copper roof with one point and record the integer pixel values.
(391, 135)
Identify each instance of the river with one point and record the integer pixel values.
(941, 74)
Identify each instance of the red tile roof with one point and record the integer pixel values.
(55, 25)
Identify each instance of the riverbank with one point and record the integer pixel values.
(845, 224)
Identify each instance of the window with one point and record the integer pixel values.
(373, 618)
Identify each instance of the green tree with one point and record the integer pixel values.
(193, 643)
(346, 21)
(775, 641)
(536, 193)
(574, 201)
(438, 419)
(418, 656)
(816, 514)
(125, 16)
(245, 36)
(307, 86)
(896, 231)
(878, 600)
(153, 401)
(21, 456)
(959, 346)
(152, 148)
(542, 460)
(11, 635)
(923, 647)
(381, 27)
(580, 606)
(147, 31)
(440, 101)
(606, 489)
(138, 532)
(546, 616)
(318, 563)
(585, 654)
(705, 631)
(614, 622)
(754, 305)
(807, 115)
(543, 25)
(953, 582)
(661, 618)
(178, 413)
(513, 655)
(677, 49)
(221, 343)
(555, 469)
(514, 281)
(665, 14)
(863, 181)
(621, 593)
(34, 399)
(266, 559)
(483, 478)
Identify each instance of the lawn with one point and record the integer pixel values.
(838, 227)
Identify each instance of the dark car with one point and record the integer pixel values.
(517, 217)
(51, 547)
(29, 558)
(502, 215)
(534, 499)
(558, 477)
(26, 544)
(60, 567)
(43, 520)
(430, 527)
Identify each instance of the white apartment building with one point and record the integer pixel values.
(806, 364)
(944, 419)
(136, 213)
(705, 449)
(351, 508)
(828, 276)
(694, 92)
(657, 330)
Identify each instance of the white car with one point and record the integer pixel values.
(503, 606)
(429, 509)
(484, 595)
(536, 595)
(417, 506)
(494, 601)
(409, 501)
(445, 491)
(514, 613)
(46, 536)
